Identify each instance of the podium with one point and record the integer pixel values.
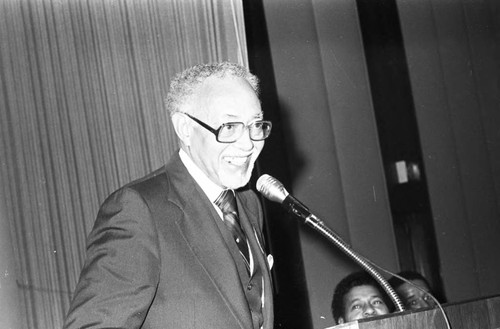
(475, 314)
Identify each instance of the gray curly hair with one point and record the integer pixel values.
(185, 84)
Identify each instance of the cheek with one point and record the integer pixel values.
(354, 314)
(210, 147)
(259, 146)
(383, 309)
(209, 154)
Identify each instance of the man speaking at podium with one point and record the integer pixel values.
(183, 246)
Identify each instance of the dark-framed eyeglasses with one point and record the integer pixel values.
(230, 132)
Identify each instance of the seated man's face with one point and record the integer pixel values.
(363, 302)
(414, 298)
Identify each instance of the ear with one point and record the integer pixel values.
(182, 127)
(341, 320)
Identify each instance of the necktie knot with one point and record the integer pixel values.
(227, 202)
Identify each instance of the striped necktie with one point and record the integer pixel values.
(227, 204)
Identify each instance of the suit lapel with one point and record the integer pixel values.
(200, 231)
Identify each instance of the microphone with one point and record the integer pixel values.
(274, 190)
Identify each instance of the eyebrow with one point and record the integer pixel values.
(257, 116)
(370, 297)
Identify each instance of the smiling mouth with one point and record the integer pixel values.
(237, 160)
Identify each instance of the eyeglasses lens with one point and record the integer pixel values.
(230, 132)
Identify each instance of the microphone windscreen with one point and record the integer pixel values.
(271, 188)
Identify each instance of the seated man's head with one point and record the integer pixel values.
(412, 297)
(358, 296)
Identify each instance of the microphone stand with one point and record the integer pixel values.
(318, 225)
(272, 189)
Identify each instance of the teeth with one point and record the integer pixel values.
(239, 161)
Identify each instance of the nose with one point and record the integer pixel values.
(369, 311)
(245, 142)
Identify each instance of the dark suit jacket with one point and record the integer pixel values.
(156, 259)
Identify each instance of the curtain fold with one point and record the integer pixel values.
(82, 84)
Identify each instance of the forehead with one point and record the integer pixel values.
(361, 292)
(229, 97)
(420, 283)
(408, 288)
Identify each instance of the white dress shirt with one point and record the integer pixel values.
(211, 189)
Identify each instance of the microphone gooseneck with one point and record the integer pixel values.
(273, 189)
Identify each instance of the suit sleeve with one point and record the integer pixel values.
(121, 272)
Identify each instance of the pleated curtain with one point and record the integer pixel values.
(82, 84)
